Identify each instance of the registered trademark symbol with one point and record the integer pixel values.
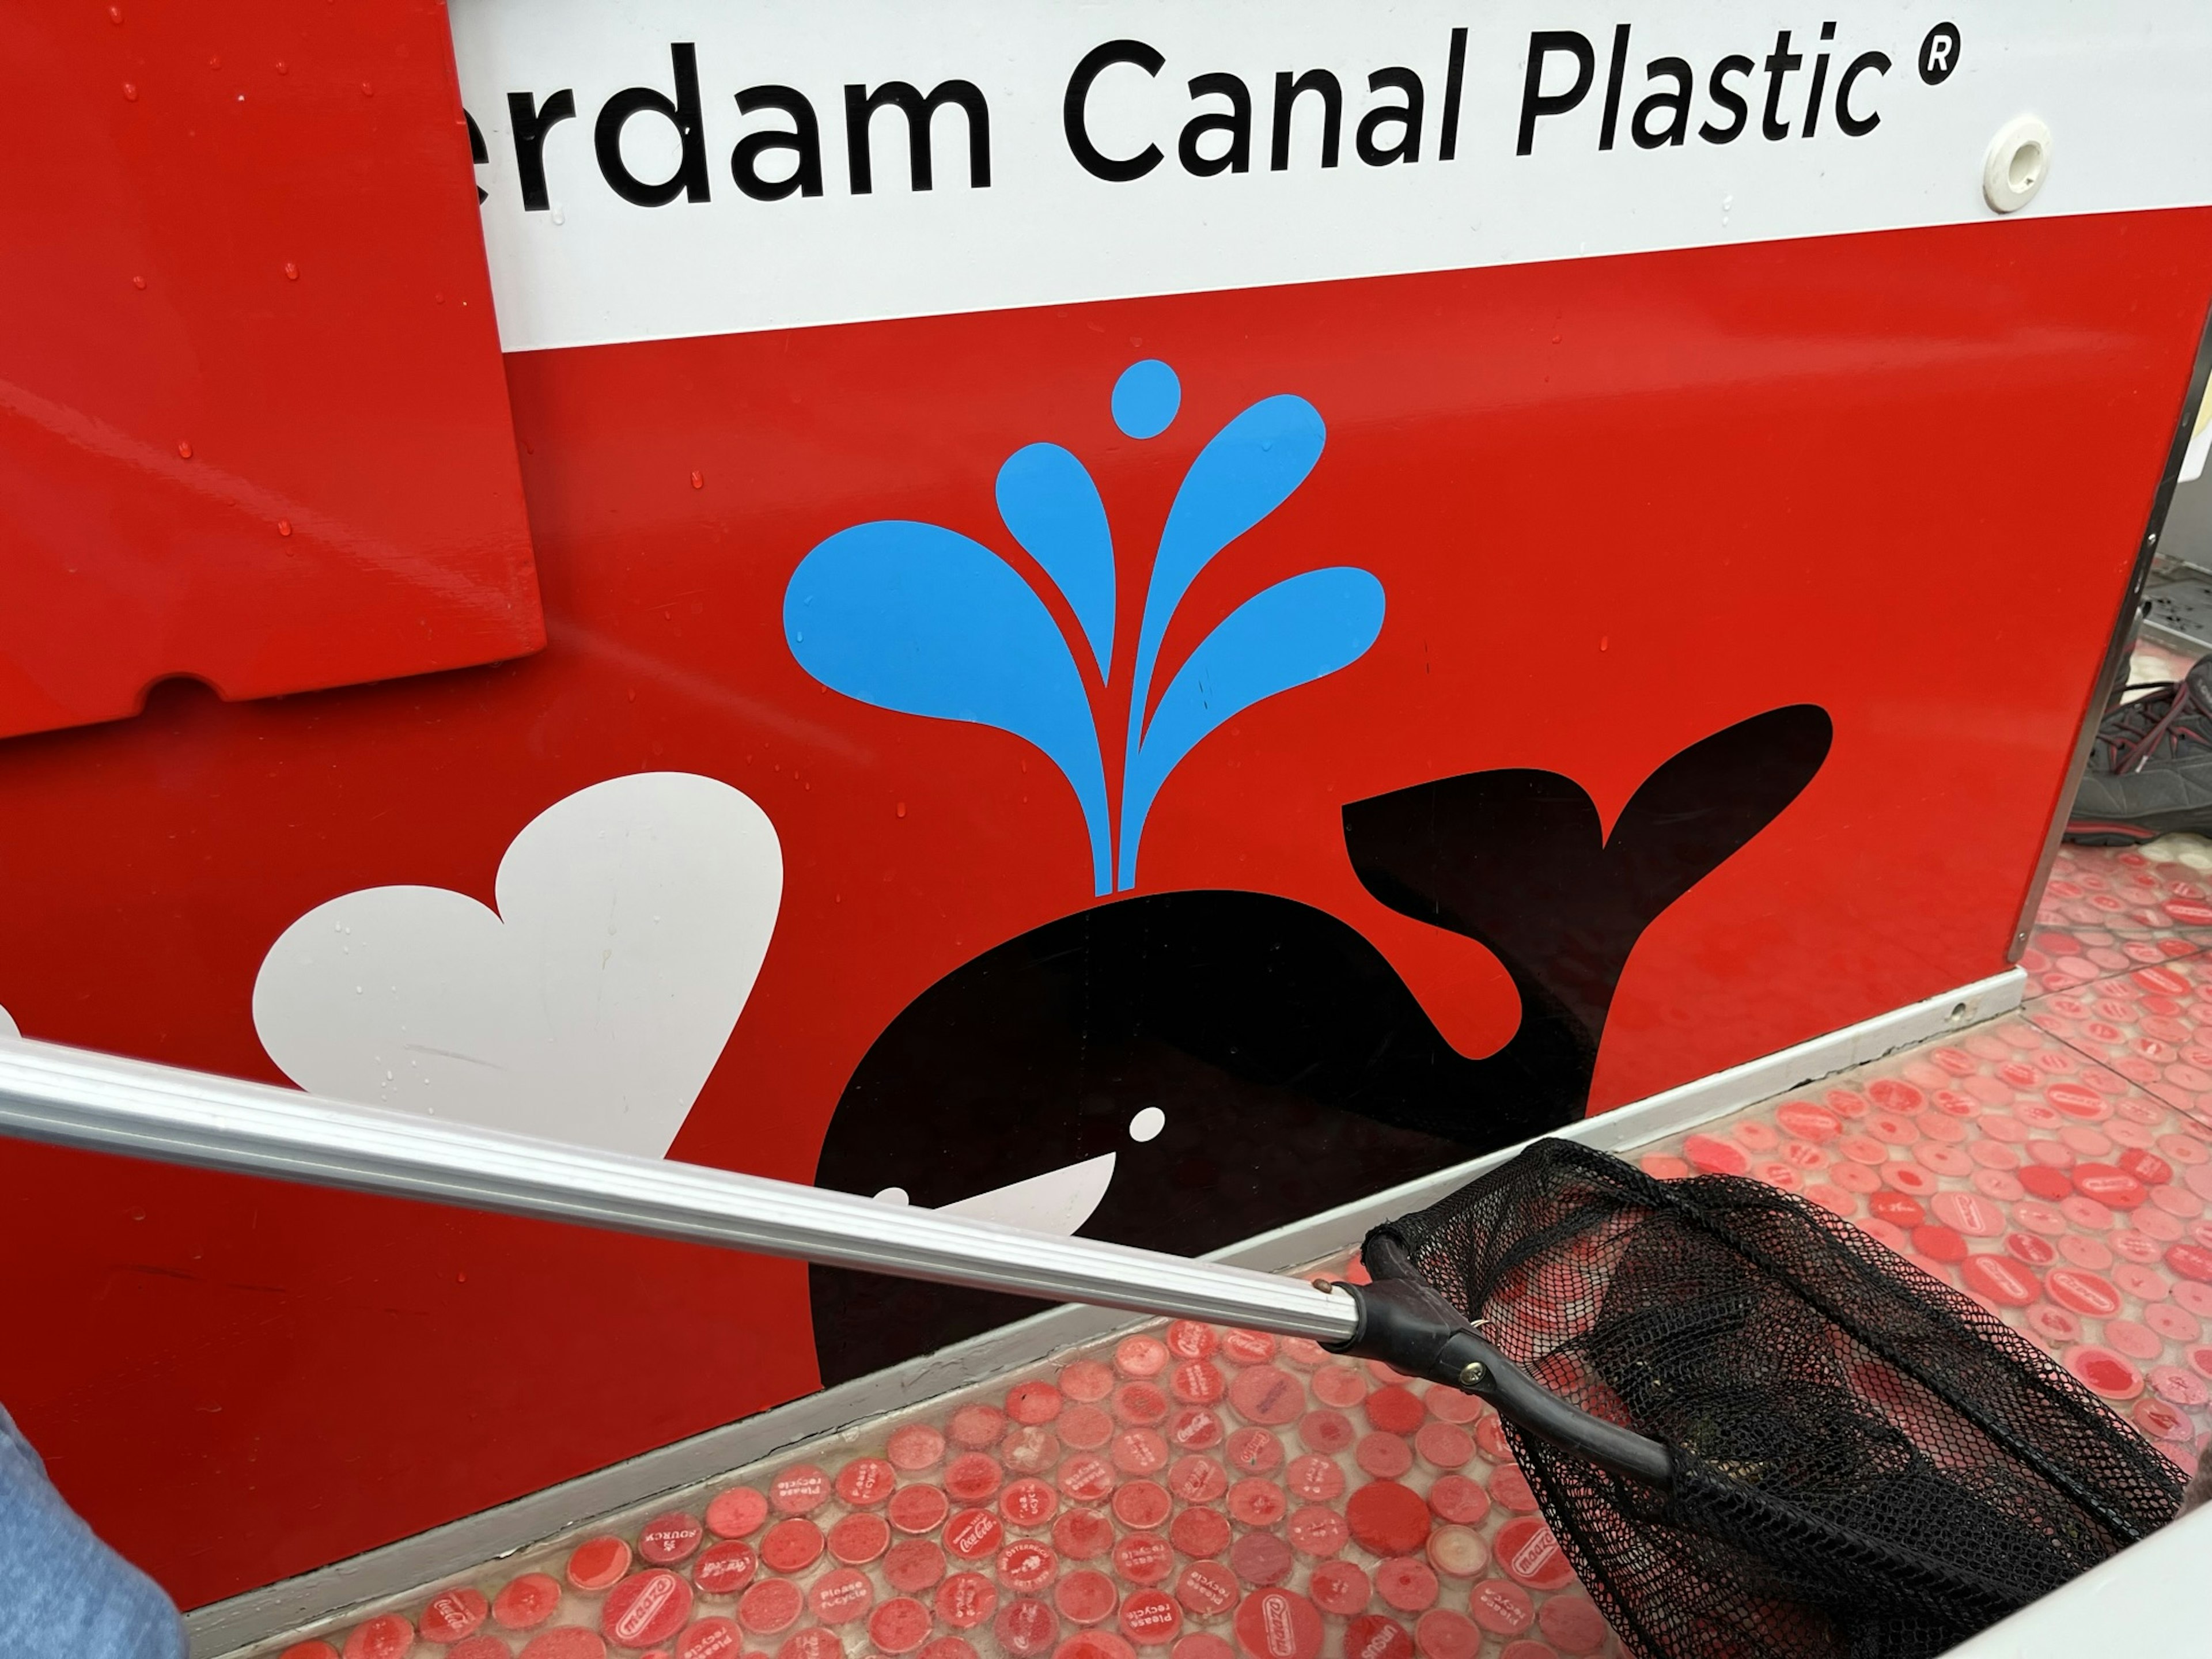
(1939, 54)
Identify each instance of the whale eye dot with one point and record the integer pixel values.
(891, 1195)
(1146, 397)
(1148, 1123)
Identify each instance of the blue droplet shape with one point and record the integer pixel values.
(923, 620)
(1146, 397)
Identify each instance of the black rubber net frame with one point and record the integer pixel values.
(1867, 1463)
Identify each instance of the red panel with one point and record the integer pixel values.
(1617, 505)
(252, 425)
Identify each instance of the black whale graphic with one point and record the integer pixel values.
(1294, 1069)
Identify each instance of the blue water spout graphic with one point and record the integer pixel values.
(924, 620)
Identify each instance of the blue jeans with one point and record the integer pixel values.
(63, 1591)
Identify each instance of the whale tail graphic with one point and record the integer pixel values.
(1250, 1060)
(1518, 860)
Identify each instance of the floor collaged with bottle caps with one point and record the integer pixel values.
(1195, 1492)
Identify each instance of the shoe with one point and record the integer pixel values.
(2150, 769)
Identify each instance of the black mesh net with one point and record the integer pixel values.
(1867, 1462)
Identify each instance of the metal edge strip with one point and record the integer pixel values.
(2111, 675)
(335, 1595)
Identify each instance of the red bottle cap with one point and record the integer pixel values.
(1444, 1445)
(1278, 1624)
(1338, 1385)
(1086, 1427)
(799, 1489)
(840, 1595)
(1257, 1503)
(1083, 1534)
(1501, 1608)
(2083, 1293)
(1202, 1645)
(1197, 1479)
(1385, 1456)
(1025, 1565)
(1572, 1624)
(1244, 1347)
(453, 1615)
(1396, 1409)
(1140, 1403)
(912, 1448)
(526, 1602)
(1387, 1519)
(2104, 1372)
(1260, 1558)
(474, 1647)
(792, 1546)
(1026, 1628)
(1085, 1478)
(1456, 1498)
(949, 1647)
(1140, 1356)
(2000, 1279)
(1029, 1448)
(867, 1481)
(736, 1513)
(565, 1642)
(1268, 1396)
(1200, 1532)
(725, 1569)
(1314, 1479)
(670, 1538)
(1405, 1583)
(1143, 1558)
(772, 1605)
(1086, 1381)
(1338, 1587)
(1196, 1428)
(859, 1539)
(1139, 1452)
(1197, 1383)
(1526, 1550)
(1317, 1531)
(966, 1599)
(1086, 1595)
(646, 1608)
(1443, 1634)
(1326, 1430)
(1206, 1589)
(1033, 1402)
(711, 1639)
(1457, 1551)
(1027, 1503)
(1450, 1405)
(972, 1477)
(1142, 1503)
(971, 1534)
(386, 1637)
(913, 1565)
(975, 1426)
(1509, 1487)
(1371, 1636)
(812, 1643)
(900, 1626)
(1253, 1451)
(1189, 1339)
(1094, 1644)
(917, 1509)
(597, 1563)
(1150, 1618)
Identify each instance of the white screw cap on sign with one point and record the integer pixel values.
(2019, 157)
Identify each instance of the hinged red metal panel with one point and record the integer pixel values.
(254, 424)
